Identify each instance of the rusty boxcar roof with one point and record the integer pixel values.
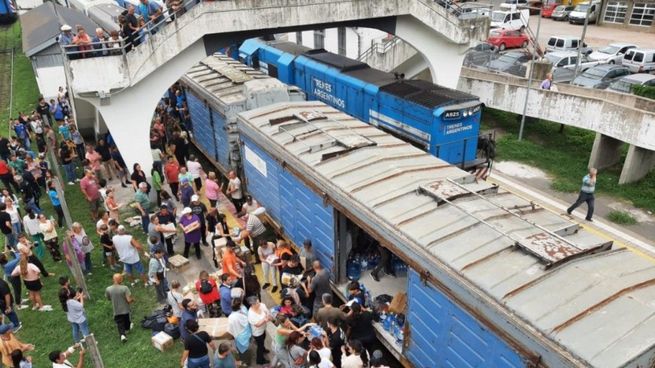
(585, 304)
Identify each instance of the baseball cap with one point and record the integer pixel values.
(186, 211)
(65, 28)
(194, 198)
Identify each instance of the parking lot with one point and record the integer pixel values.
(597, 36)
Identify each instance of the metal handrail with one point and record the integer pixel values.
(379, 47)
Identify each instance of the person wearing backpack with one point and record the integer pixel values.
(208, 292)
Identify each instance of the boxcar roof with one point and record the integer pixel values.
(223, 78)
(555, 279)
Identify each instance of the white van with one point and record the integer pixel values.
(511, 20)
(566, 43)
(640, 60)
(577, 16)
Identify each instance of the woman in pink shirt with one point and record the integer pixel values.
(94, 159)
(32, 280)
(212, 189)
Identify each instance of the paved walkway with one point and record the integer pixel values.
(637, 237)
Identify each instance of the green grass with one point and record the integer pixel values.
(621, 218)
(26, 91)
(564, 156)
(50, 330)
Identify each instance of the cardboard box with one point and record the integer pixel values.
(178, 262)
(162, 341)
(215, 327)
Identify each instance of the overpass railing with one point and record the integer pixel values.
(125, 45)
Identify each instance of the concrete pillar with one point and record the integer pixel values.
(605, 152)
(299, 37)
(341, 40)
(319, 39)
(128, 113)
(638, 163)
(444, 58)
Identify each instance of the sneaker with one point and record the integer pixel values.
(24, 301)
(375, 277)
(71, 183)
(21, 307)
(123, 338)
(35, 308)
(77, 180)
(16, 329)
(590, 220)
(266, 285)
(131, 325)
(274, 289)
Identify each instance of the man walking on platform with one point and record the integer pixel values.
(586, 194)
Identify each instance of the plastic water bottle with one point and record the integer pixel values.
(383, 319)
(388, 321)
(400, 337)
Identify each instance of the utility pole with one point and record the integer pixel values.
(584, 33)
(527, 91)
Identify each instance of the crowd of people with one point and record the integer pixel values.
(136, 24)
(306, 330)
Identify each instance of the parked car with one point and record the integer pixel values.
(534, 6)
(548, 9)
(563, 75)
(562, 12)
(577, 16)
(600, 76)
(612, 53)
(504, 39)
(512, 62)
(473, 10)
(510, 19)
(568, 60)
(480, 55)
(625, 84)
(566, 43)
(640, 60)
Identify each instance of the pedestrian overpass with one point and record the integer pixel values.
(126, 88)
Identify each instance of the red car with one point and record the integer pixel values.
(547, 9)
(503, 39)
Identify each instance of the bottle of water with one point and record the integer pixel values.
(400, 337)
(388, 321)
(383, 319)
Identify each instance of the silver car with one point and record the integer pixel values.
(600, 76)
(625, 84)
(562, 12)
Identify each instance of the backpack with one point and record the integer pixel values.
(172, 330)
(205, 287)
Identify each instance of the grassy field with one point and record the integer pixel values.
(50, 330)
(564, 156)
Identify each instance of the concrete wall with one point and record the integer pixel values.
(628, 118)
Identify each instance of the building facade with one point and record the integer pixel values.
(637, 15)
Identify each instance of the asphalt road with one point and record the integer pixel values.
(597, 36)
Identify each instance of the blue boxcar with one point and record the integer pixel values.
(441, 333)
(8, 11)
(442, 121)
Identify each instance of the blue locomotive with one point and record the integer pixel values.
(439, 120)
(8, 11)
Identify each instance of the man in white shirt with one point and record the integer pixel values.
(195, 169)
(128, 252)
(58, 358)
(234, 190)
